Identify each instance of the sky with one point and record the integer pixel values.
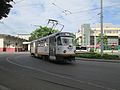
(27, 15)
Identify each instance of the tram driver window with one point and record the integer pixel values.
(67, 41)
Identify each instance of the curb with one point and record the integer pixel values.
(98, 60)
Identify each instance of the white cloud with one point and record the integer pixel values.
(27, 13)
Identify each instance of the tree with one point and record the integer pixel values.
(5, 7)
(41, 32)
(105, 39)
(76, 40)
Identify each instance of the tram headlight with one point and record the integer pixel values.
(74, 51)
(64, 51)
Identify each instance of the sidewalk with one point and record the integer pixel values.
(98, 60)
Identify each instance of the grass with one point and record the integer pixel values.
(93, 55)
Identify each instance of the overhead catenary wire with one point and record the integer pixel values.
(63, 10)
(94, 9)
(9, 27)
(24, 5)
(68, 12)
(19, 1)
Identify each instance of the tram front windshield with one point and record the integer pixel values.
(65, 41)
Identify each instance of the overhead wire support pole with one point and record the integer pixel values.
(102, 47)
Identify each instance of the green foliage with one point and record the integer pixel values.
(97, 56)
(105, 39)
(5, 7)
(107, 56)
(91, 49)
(75, 40)
(41, 32)
(88, 55)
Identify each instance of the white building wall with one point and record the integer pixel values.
(28, 47)
(1, 42)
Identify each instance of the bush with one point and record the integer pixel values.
(91, 49)
(88, 55)
(107, 56)
(97, 56)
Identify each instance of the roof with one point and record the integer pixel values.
(23, 34)
(10, 36)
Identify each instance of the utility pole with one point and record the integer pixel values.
(102, 28)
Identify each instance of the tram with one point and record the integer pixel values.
(55, 47)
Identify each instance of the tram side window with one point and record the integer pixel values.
(38, 43)
(46, 42)
(42, 43)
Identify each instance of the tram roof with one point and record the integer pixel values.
(50, 36)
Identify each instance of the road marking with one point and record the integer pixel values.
(57, 75)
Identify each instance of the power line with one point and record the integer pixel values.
(7, 26)
(68, 12)
(63, 10)
(19, 1)
(57, 6)
(82, 11)
(88, 10)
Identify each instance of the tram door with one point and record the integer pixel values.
(36, 51)
(52, 48)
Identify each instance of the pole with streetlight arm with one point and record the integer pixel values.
(102, 28)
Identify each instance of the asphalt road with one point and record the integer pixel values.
(20, 71)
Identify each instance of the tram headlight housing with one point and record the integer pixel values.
(64, 51)
(74, 51)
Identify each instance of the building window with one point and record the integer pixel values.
(105, 31)
(109, 31)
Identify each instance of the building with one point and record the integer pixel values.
(84, 35)
(26, 37)
(89, 36)
(10, 43)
